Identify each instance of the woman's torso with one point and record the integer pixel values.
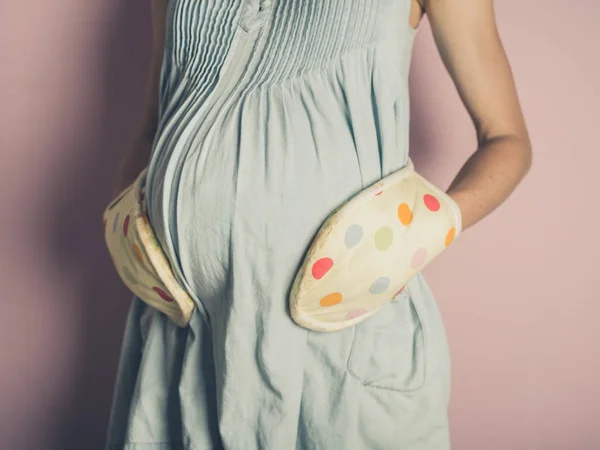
(273, 113)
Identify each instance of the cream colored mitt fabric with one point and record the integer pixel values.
(370, 247)
(138, 257)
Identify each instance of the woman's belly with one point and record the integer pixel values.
(245, 192)
(253, 195)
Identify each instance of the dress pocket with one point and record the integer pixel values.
(390, 350)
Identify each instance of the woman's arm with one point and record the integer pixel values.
(467, 38)
(138, 154)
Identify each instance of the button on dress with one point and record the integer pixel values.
(272, 113)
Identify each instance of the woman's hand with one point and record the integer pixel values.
(134, 161)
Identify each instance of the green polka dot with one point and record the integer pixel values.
(154, 243)
(128, 275)
(384, 237)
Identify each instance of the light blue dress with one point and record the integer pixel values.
(272, 113)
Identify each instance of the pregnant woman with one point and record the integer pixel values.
(263, 116)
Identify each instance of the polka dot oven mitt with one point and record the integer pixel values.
(370, 247)
(138, 257)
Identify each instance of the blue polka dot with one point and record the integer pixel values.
(354, 234)
(116, 222)
(380, 285)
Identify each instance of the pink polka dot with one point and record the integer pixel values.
(321, 267)
(162, 294)
(355, 313)
(419, 258)
(126, 225)
(379, 193)
(431, 202)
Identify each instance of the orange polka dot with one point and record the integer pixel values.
(331, 299)
(450, 236)
(379, 193)
(138, 253)
(405, 214)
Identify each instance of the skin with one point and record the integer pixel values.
(467, 39)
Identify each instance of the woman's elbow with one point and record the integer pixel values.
(526, 155)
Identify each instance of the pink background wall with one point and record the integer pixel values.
(516, 291)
